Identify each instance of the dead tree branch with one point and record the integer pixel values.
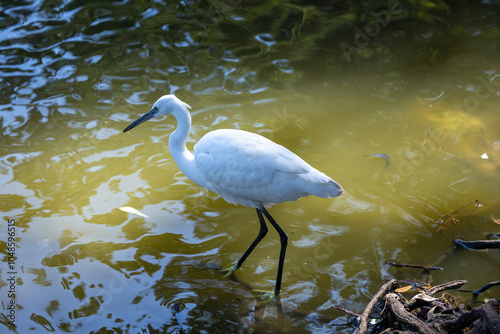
(363, 326)
(487, 313)
(446, 286)
(478, 244)
(399, 311)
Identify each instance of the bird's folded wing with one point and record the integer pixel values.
(240, 166)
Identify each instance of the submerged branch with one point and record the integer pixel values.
(478, 244)
(450, 217)
(417, 266)
(346, 311)
(486, 287)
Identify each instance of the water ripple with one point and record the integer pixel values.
(73, 74)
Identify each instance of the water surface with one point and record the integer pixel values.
(422, 88)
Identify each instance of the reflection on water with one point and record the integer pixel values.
(421, 87)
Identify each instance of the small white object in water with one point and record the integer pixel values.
(484, 156)
(133, 211)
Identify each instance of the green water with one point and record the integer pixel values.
(328, 81)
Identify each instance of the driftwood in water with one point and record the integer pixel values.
(445, 286)
(427, 314)
(363, 326)
(486, 287)
(416, 266)
(402, 315)
(478, 244)
(486, 314)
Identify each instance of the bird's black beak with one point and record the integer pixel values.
(147, 116)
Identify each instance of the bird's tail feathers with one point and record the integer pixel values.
(318, 184)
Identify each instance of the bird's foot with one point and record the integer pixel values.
(228, 271)
(264, 296)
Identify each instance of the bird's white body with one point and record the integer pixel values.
(243, 168)
(248, 169)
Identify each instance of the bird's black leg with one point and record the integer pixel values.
(262, 234)
(284, 242)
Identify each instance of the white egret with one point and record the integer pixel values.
(243, 168)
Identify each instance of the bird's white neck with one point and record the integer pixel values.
(177, 146)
